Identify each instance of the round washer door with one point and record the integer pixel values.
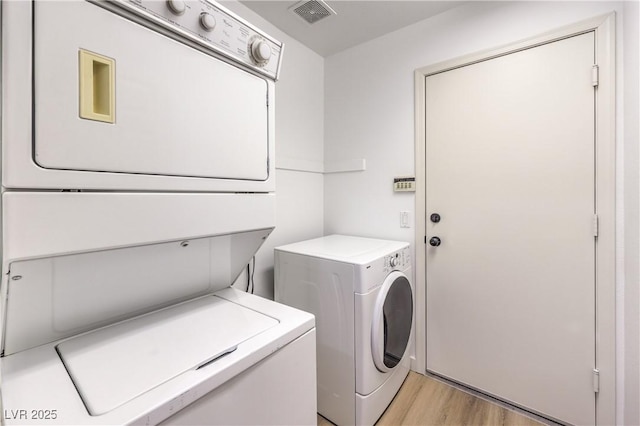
(392, 319)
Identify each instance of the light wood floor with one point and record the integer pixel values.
(425, 401)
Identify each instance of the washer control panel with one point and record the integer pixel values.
(210, 25)
(398, 260)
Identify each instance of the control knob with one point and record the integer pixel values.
(177, 7)
(260, 52)
(207, 21)
(393, 262)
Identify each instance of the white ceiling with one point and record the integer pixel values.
(356, 21)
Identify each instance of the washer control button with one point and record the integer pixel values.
(260, 52)
(207, 21)
(178, 7)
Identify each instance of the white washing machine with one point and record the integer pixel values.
(360, 291)
(137, 183)
(76, 353)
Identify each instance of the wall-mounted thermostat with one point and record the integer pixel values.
(404, 184)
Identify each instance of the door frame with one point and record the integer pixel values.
(605, 189)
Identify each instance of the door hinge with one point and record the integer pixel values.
(267, 99)
(596, 380)
(595, 225)
(595, 76)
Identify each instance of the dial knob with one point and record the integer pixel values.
(394, 262)
(178, 7)
(260, 51)
(207, 21)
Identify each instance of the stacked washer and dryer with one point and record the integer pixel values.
(360, 291)
(137, 184)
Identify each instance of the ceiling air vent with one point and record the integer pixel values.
(312, 10)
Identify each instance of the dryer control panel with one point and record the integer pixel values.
(397, 261)
(210, 25)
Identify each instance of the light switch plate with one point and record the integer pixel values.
(405, 220)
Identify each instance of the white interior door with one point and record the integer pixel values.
(510, 170)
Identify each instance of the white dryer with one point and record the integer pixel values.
(137, 182)
(360, 291)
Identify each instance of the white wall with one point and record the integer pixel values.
(369, 109)
(299, 137)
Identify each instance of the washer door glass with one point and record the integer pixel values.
(392, 321)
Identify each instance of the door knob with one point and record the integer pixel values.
(435, 218)
(435, 241)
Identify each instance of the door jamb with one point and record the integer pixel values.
(605, 188)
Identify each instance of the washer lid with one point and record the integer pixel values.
(113, 365)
